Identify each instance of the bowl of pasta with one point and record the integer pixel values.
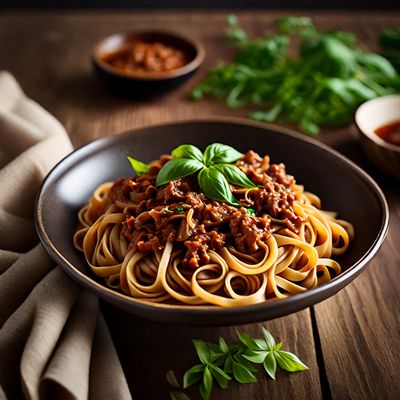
(210, 222)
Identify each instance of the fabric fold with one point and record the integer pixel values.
(54, 343)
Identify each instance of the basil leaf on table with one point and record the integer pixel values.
(270, 364)
(215, 186)
(269, 339)
(256, 357)
(289, 361)
(171, 379)
(221, 377)
(243, 361)
(222, 345)
(217, 153)
(139, 167)
(202, 350)
(225, 362)
(242, 374)
(252, 343)
(187, 151)
(177, 168)
(193, 375)
(206, 385)
(235, 175)
(179, 396)
(228, 365)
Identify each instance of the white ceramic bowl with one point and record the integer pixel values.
(372, 115)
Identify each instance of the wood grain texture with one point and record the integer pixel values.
(356, 333)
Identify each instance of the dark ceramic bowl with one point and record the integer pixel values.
(151, 83)
(342, 186)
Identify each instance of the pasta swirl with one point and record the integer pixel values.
(173, 245)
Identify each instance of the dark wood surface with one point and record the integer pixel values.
(351, 341)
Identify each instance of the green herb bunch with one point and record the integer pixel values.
(223, 362)
(389, 39)
(214, 168)
(322, 85)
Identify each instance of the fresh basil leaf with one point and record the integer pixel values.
(233, 348)
(206, 385)
(376, 63)
(222, 345)
(139, 167)
(221, 377)
(235, 175)
(277, 346)
(256, 357)
(202, 350)
(217, 153)
(214, 348)
(179, 396)
(177, 168)
(187, 151)
(261, 343)
(242, 374)
(193, 375)
(228, 365)
(214, 185)
(246, 363)
(289, 361)
(171, 379)
(270, 364)
(252, 343)
(269, 339)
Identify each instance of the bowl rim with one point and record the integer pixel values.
(371, 135)
(304, 299)
(152, 76)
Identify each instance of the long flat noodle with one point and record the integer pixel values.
(271, 253)
(294, 259)
(176, 295)
(257, 297)
(97, 245)
(154, 292)
(309, 251)
(96, 205)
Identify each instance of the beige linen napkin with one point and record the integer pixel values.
(54, 343)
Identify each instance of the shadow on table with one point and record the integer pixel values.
(86, 92)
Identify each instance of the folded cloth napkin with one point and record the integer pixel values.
(54, 343)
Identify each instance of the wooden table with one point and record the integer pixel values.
(351, 341)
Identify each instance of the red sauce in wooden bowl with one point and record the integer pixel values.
(390, 133)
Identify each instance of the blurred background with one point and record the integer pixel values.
(231, 4)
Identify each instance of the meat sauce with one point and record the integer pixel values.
(143, 57)
(155, 215)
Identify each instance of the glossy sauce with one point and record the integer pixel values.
(143, 57)
(390, 133)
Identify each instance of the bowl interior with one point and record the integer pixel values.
(378, 112)
(117, 41)
(341, 186)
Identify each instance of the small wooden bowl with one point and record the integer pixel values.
(372, 115)
(146, 83)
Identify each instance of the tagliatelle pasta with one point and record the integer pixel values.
(172, 244)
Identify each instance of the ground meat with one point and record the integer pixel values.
(248, 231)
(155, 214)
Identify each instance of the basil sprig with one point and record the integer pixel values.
(214, 169)
(224, 362)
